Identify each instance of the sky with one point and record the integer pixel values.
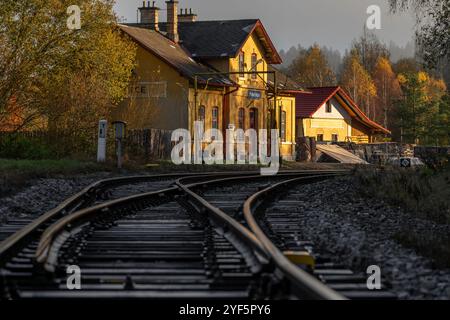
(332, 23)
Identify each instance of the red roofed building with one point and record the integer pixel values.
(330, 114)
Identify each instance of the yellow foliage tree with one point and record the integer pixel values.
(70, 78)
(311, 69)
(388, 89)
(358, 82)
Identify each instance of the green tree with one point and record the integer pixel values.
(422, 112)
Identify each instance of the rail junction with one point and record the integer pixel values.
(197, 236)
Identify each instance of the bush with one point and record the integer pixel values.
(24, 148)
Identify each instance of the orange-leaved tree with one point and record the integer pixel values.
(358, 82)
(311, 69)
(388, 90)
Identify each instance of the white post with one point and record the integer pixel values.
(101, 148)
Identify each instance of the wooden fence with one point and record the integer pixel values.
(149, 144)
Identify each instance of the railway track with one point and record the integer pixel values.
(183, 237)
(17, 231)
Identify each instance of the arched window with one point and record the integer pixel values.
(241, 118)
(254, 119)
(283, 126)
(215, 118)
(242, 64)
(254, 66)
(201, 114)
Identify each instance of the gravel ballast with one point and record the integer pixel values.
(361, 231)
(41, 195)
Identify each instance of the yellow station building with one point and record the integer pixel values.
(222, 72)
(216, 71)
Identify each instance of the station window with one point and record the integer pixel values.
(254, 66)
(320, 137)
(201, 113)
(254, 119)
(283, 126)
(242, 64)
(241, 118)
(215, 118)
(328, 108)
(334, 137)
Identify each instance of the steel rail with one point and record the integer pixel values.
(75, 201)
(50, 234)
(306, 284)
(222, 219)
(70, 204)
(43, 251)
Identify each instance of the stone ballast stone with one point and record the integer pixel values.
(359, 232)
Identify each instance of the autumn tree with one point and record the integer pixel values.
(370, 49)
(358, 82)
(311, 69)
(388, 89)
(68, 78)
(406, 65)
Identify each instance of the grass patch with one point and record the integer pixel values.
(15, 174)
(43, 167)
(429, 246)
(423, 192)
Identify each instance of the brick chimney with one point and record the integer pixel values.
(187, 17)
(172, 20)
(150, 15)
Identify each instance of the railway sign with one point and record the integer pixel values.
(254, 94)
(101, 147)
(405, 162)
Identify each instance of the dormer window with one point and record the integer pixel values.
(328, 107)
(242, 64)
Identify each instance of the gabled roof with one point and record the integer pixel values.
(221, 39)
(174, 55)
(307, 103)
